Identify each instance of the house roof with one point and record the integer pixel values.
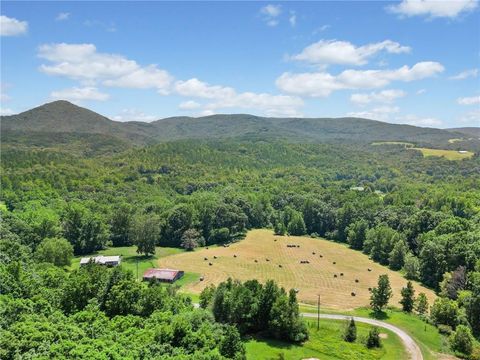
(165, 274)
(100, 259)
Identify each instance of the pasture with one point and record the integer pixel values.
(263, 255)
(327, 343)
(447, 154)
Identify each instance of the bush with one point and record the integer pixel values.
(350, 334)
(57, 251)
(445, 329)
(461, 340)
(373, 338)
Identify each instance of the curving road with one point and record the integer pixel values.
(410, 344)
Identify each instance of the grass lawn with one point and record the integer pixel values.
(327, 343)
(447, 154)
(130, 258)
(430, 341)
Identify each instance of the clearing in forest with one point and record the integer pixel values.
(315, 267)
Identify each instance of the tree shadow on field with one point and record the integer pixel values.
(379, 315)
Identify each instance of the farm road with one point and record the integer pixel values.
(410, 344)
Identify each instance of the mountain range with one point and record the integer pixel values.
(63, 121)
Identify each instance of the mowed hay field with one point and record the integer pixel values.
(311, 279)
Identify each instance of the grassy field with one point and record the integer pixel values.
(311, 279)
(430, 341)
(407, 144)
(130, 257)
(327, 343)
(447, 154)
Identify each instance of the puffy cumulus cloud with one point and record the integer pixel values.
(12, 26)
(78, 95)
(133, 115)
(224, 97)
(434, 8)
(143, 78)
(472, 73)
(189, 105)
(343, 52)
(197, 88)
(384, 96)
(62, 16)
(84, 63)
(322, 84)
(472, 100)
(271, 13)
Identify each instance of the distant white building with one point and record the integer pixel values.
(102, 260)
(462, 151)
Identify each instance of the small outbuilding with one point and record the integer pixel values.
(101, 260)
(162, 275)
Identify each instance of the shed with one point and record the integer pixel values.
(162, 275)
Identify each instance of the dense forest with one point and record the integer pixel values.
(417, 215)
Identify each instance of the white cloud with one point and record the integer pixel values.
(381, 113)
(133, 115)
(421, 91)
(224, 97)
(12, 26)
(418, 121)
(189, 105)
(271, 10)
(322, 84)
(465, 75)
(197, 88)
(321, 29)
(391, 114)
(62, 16)
(6, 111)
(292, 19)
(271, 14)
(77, 95)
(472, 100)
(344, 52)
(471, 118)
(4, 97)
(384, 96)
(434, 8)
(143, 78)
(84, 63)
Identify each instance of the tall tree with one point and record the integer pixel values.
(145, 234)
(380, 295)
(408, 297)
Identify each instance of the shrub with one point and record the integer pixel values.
(350, 334)
(461, 340)
(373, 338)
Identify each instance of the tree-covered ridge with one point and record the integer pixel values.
(61, 117)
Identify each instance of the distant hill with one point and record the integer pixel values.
(64, 117)
(469, 131)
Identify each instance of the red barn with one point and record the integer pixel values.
(162, 275)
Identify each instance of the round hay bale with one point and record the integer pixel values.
(334, 275)
(341, 274)
(210, 264)
(256, 260)
(280, 266)
(369, 269)
(356, 280)
(234, 255)
(205, 258)
(353, 294)
(201, 278)
(334, 262)
(214, 257)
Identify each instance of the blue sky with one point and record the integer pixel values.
(414, 62)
